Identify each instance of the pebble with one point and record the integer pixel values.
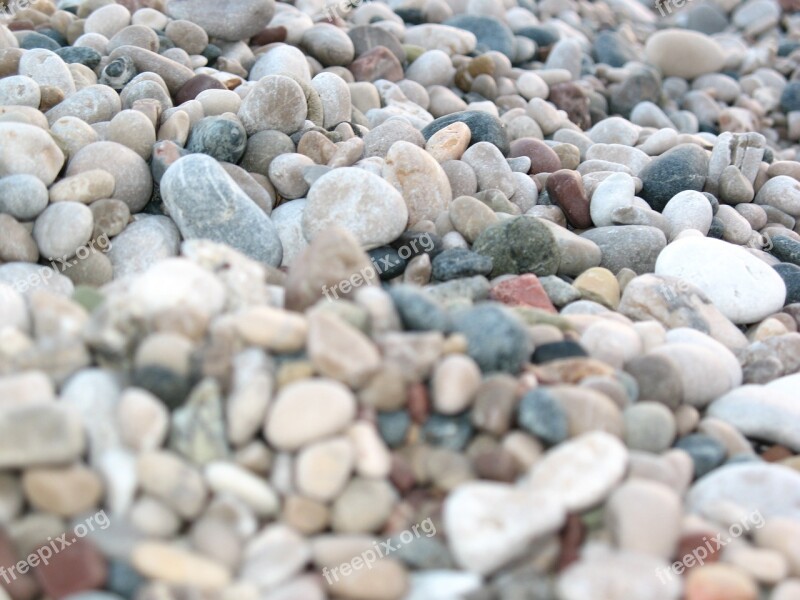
(649, 427)
(731, 288)
(688, 210)
(685, 54)
(175, 566)
(367, 206)
(581, 472)
(483, 127)
(239, 21)
(39, 435)
(330, 401)
(33, 153)
(489, 524)
(635, 247)
(770, 489)
(228, 215)
(22, 196)
(276, 102)
(419, 178)
(535, 249)
(541, 414)
(496, 338)
(683, 167)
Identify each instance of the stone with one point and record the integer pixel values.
(635, 247)
(720, 581)
(29, 150)
(323, 469)
(686, 54)
(483, 127)
(275, 556)
(288, 426)
(226, 478)
(176, 566)
(39, 435)
(66, 492)
(238, 21)
(698, 261)
(707, 453)
(455, 382)
(525, 290)
(276, 102)
(219, 137)
(688, 210)
(683, 167)
(768, 489)
(760, 412)
(489, 524)
(520, 245)
(367, 206)
(363, 506)
(62, 229)
(22, 196)
(420, 179)
(581, 472)
(205, 202)
(496, 339)
(600, 285)
(133, 182)
(456, 263)
(644, 517)
(329, 45)
(542, 414)
(86, 187)
(566, 190)
(340, 351)
(649, 426)
(449, 143)
(491, 33)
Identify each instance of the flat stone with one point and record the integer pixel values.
(744, 288)
(581, 472)
(39, 435)
(489, 524)
(173, 565)
(332, 405)
(761, 412)
(238, 21)
(276, 102)
(520, 245)
(635, 247)
(772, 490)
(420, 179)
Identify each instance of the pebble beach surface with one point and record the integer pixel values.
(405, 300)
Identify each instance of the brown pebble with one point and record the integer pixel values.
(197, 84)
(572, 536)
(378, 63)
(401, 474)
(497, 464)
(77, 568)
(543, 157)
(418, 403)
(776, 453)
(571, 98)
(270, 35)
(24, 586)
(21, 25)
(566, 190)
(694, 541)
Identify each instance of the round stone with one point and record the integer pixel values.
(276, 102)
(496, 339)
(520, 245)
(133, 181)
(541, 413)
(360, 202)
(62, 228)
(307, 411)
(234, 21)
(23, 197)
(649, 427)
(223, 138)
(29, 150)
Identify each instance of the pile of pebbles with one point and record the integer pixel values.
(282, 280)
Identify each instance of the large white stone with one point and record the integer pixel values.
(742, 287)
(489, 524)
(583, 471)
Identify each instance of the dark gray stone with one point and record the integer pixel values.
(706, 452)
(790, 273)
(460, 262)
(542, 415)
(224, 139)
(453, 432)
(520, 245)
(483, 127)
(417, 310)
(492, 33)
(683, 167)
(80, 54)
(786, 249)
